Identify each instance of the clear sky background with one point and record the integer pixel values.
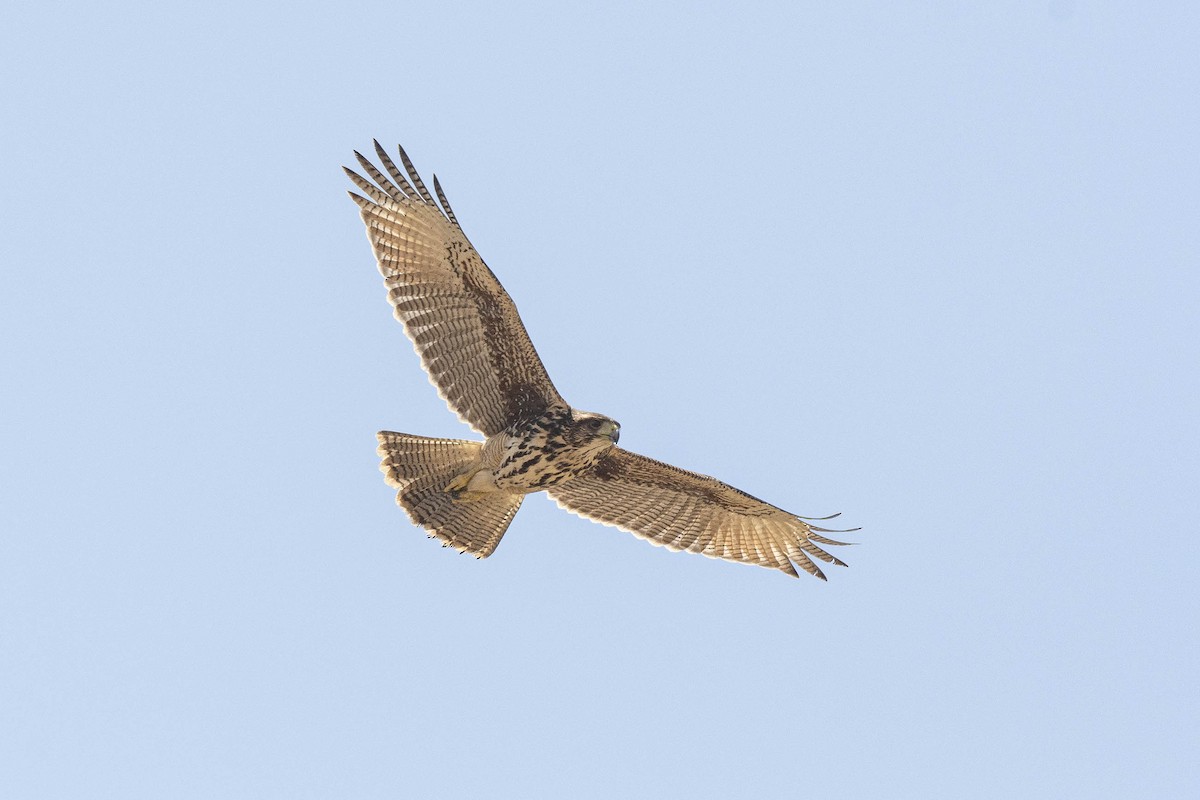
(929, 264)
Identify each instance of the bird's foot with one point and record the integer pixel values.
(457, 488)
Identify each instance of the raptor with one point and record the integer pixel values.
(473, 345)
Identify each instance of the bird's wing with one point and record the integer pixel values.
(681, 510)
(463, 324)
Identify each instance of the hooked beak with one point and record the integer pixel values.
(615, 433)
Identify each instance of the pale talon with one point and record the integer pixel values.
(459, 484)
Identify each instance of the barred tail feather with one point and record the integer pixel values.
(420, 467)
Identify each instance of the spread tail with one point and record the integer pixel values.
(420, 468)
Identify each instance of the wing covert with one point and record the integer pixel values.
(682, 510)
(462, 323)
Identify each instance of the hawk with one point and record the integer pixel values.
(471, 342)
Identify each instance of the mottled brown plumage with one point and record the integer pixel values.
(471, 341)
(461, 321)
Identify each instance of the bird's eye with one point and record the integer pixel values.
(594, 424)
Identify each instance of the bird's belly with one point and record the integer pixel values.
(532, 472)
(482, 481)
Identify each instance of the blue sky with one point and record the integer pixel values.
(929, 264)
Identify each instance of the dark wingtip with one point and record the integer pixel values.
(380, 149)
(360, 201)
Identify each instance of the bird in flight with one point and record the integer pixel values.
(471, 342)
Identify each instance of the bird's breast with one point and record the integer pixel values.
(538, 455)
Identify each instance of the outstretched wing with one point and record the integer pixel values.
(463, 324)
(681, 510)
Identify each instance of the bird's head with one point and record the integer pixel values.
(595, 429)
